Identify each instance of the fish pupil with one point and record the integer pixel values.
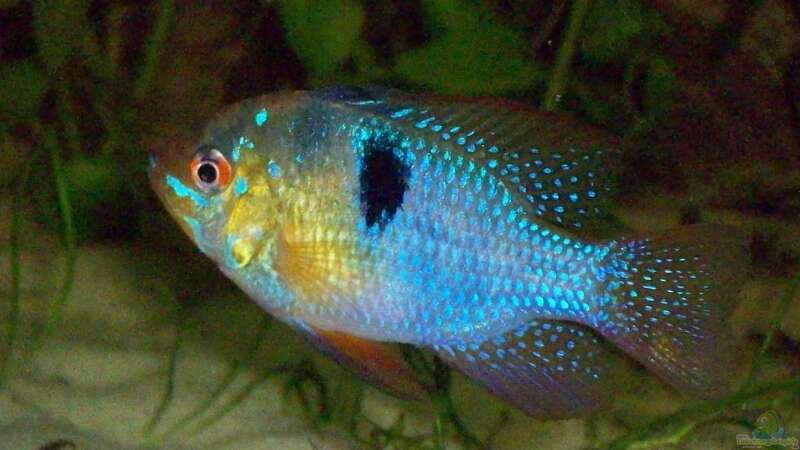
(207, 172)
(384, 180)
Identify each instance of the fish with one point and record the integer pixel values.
(363, 217)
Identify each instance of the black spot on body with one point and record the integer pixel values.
(384, 181)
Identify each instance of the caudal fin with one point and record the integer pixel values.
(666, 301)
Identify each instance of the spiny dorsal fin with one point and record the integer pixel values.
(560, 168)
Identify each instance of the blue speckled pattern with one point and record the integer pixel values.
(553, 368)
(450, 224)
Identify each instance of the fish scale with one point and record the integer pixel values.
(367, 216)
(473, 228)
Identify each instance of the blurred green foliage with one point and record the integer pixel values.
(23, 87)
(322, 32)
(60, 27)
(470, 50)
(470, 53)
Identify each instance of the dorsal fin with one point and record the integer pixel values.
(559, 168)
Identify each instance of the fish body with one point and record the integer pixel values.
(366, 215)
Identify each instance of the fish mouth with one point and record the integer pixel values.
(240, 251)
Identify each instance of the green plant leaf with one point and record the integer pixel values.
(22, 86)
(471, 53)
(659, 88)
(611, 29)
(322, 32)
(59, 26)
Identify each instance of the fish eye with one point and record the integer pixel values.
(210, 170)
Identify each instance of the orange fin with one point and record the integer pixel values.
(376, 362)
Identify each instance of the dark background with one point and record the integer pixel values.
(704, 93)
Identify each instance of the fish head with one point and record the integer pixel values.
(225, 188)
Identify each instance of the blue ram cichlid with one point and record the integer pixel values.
(362, 216)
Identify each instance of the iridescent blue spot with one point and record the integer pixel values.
(182, 191)
(402, 113)
(244, 142)
(236, 153)
(197, 230)
(261, 117)
(299, 158)
(436, 128)
(273, 169)
(492, 163)
(425, 122)
(591, 194)
(240, 186)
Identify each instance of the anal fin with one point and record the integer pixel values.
(376, 362)
(546, 368)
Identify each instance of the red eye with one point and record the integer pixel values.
(210, 170)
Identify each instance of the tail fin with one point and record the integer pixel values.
(667, 299)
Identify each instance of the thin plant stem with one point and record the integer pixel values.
(66, 115)
(233, 373)
(439, 432)
(444, 403)
(775, 322)
(502, 421)
(172, 365)
(560, 76)
(306, 372)
(153, 48)
(54, 317)
(672, 428)
(15, 272)
(347, 401)
(549, 24)
(234, 401)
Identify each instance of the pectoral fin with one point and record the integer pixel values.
(377, 363)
